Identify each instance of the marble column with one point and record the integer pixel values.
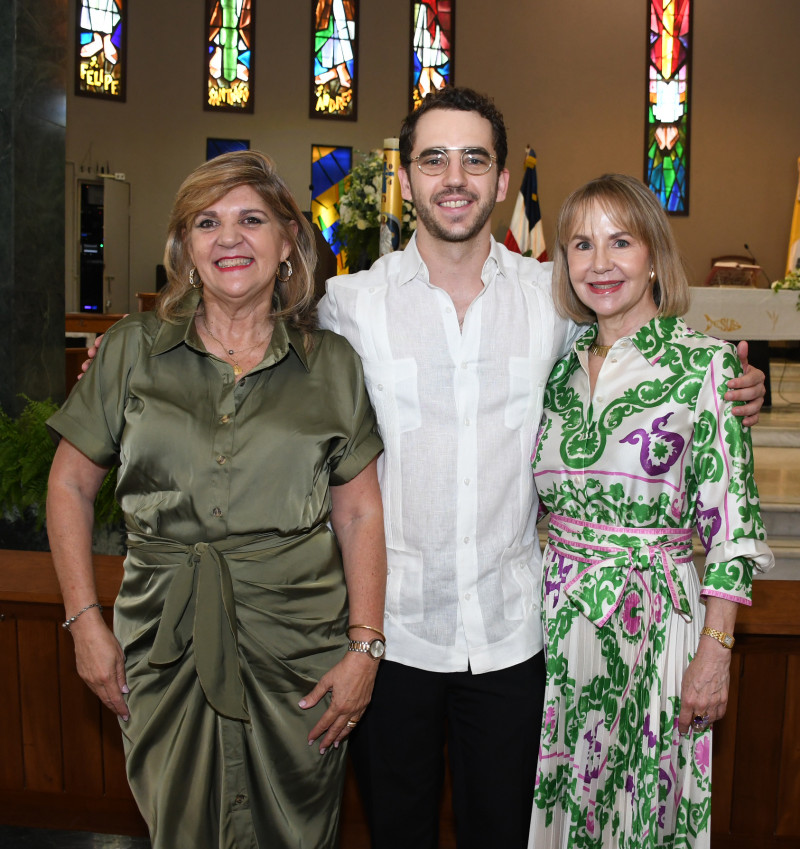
(33, 42)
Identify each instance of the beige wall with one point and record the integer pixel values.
(569, 77)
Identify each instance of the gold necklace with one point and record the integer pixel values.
(599, 350)
(237, 369)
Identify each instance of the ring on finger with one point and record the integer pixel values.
(701, 722)
(351, 723)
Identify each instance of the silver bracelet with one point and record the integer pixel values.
(80, 613)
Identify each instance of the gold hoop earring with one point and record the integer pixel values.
(287, 273)
(198, 284)
(652, 275)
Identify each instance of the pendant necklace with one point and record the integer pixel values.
(237, 369)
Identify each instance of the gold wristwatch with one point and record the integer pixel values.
(721, 637)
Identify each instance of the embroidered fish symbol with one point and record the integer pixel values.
(724, 325)
(660, 448)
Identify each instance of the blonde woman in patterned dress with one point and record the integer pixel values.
(637, 448)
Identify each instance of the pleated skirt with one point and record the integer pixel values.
(613, 769)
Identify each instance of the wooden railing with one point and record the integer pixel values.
(61, 761)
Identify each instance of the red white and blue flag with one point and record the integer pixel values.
(525, 233)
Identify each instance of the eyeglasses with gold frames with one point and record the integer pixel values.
(474, 160)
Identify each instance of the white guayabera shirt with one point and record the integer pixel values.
(458, 413)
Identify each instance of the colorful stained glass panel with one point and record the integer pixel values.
(330, 167)
(229, 55)
(432, 39)
(667, 130)
(216, 147)
(334, 84)
(100, 50)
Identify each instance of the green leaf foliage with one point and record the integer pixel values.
(26, 454)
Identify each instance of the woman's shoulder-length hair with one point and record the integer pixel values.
(205, 186)
(631, 205)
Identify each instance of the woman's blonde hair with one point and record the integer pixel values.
(633, 207)
(205, 186)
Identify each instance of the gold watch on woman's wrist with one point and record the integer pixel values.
(721, 637)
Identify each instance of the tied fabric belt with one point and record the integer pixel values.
(199, 607)
(611, 553)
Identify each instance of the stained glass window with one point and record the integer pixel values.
(229, 58)
(333, 91)
(432, 38)
(216, 147)
(100, 53)
(330, 167)
(667, 131)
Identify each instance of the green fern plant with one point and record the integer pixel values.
(26, 453)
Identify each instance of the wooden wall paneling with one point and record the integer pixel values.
(80, 726)
(41, 722)
(10, 710)
(759, 734)
(724, 753)
(789, 787)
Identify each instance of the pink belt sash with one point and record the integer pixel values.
(611, 553)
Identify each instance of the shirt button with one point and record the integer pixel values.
(463, 365)
(380, 387)
(371, 289)
(467, 596)
(466, 422)
(240, 797)
(599, 399)
(222, 459)
(225, 419)
(466, 481)
(613, 359)
(466, 539)
(242, 381)
(216, 512)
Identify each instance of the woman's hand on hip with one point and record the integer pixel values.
(101, 662)
(350, 685)
(704, 689)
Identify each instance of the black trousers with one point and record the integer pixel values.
(491, 723)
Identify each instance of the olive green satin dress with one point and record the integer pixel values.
(233, 601)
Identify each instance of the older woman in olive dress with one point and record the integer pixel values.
(240, 431)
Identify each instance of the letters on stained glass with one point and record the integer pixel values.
(667, 129)
(100, 50)
(432, 39)
(330, 167)
(229, 57)
(335, 49)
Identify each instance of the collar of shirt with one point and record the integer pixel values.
(284, 337)
(411, 265)
(652, 340)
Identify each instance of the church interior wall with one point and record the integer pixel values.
(569, 79)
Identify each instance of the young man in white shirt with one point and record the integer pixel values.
(458, 337)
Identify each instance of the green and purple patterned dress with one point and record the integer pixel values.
(626, 476)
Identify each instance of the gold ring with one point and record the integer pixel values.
(351, 723)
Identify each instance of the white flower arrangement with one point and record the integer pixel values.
(360, 210)
(791, 281)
